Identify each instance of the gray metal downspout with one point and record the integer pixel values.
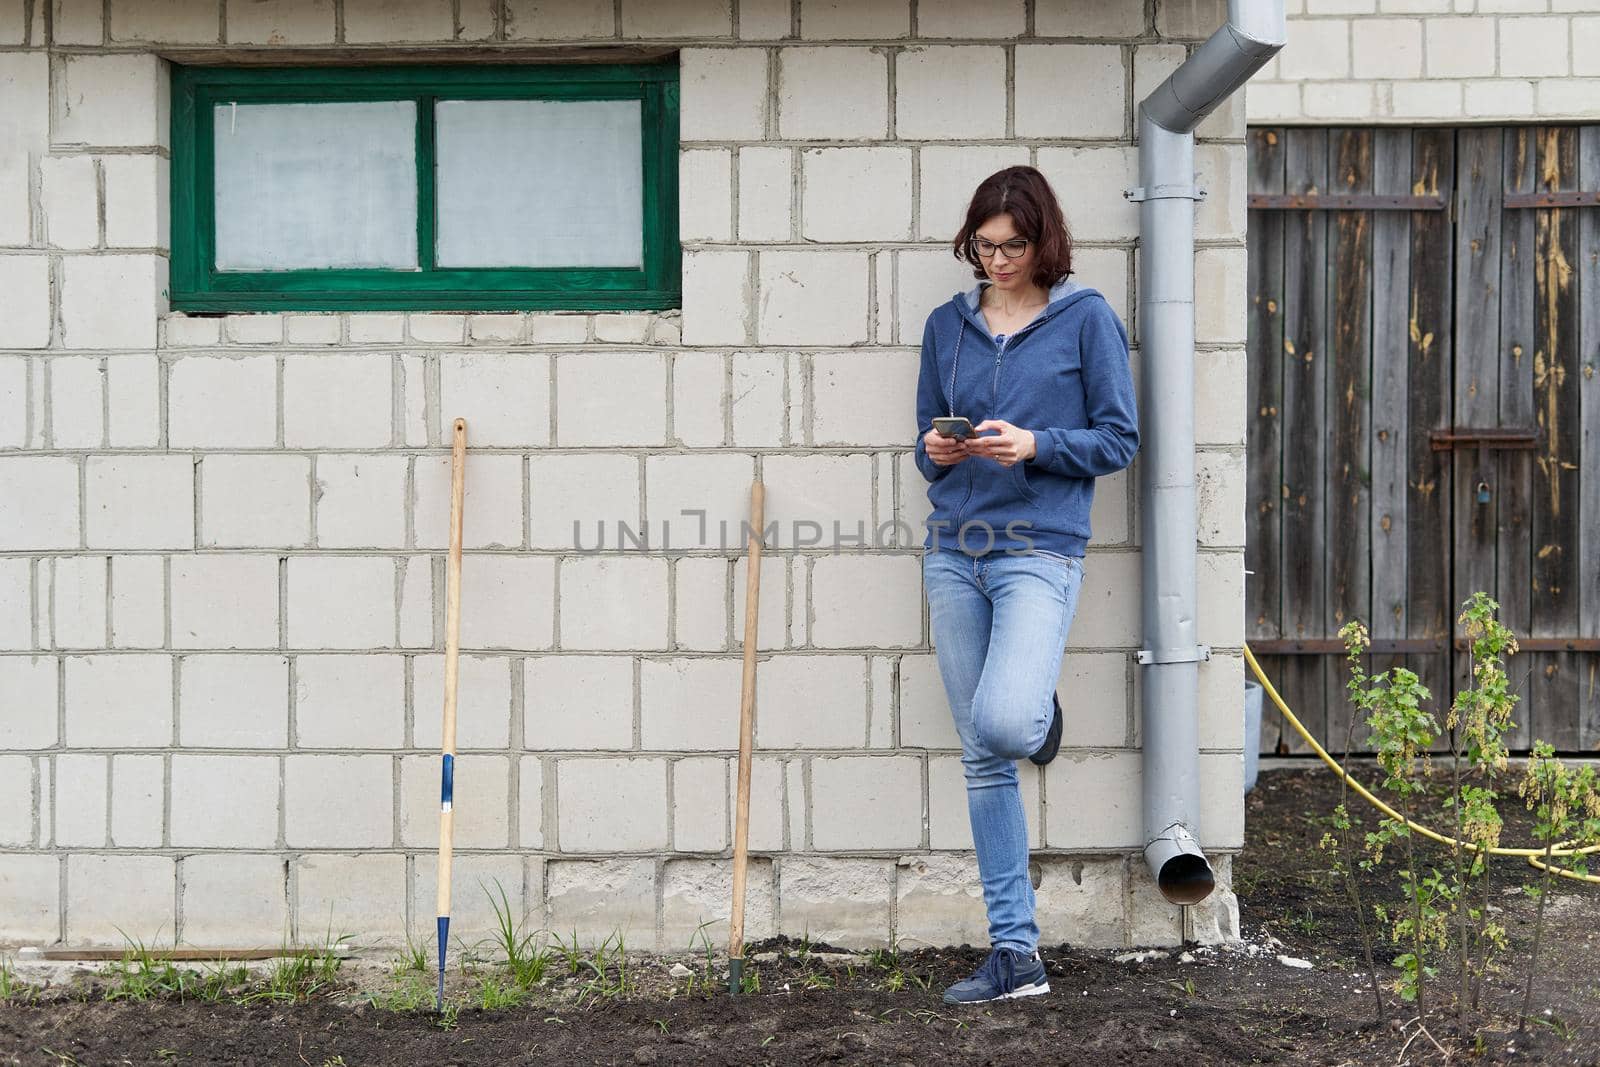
(1252, 35)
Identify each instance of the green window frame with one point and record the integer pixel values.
(197, 286)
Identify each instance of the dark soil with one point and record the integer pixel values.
(1237, 1005)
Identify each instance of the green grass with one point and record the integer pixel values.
(525, 960)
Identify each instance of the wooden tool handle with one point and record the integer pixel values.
(452, 649)
(747, 707)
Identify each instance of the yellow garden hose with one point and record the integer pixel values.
(1534, 855)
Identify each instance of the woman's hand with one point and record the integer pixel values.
(945, 451)
(1010, 445)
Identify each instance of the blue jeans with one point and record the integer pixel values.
(1000, 627)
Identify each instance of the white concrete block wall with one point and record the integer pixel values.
(1419, 61)
(222, 539)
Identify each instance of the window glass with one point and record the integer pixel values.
(539, 183)
(316, 185)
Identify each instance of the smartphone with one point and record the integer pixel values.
(959, 427)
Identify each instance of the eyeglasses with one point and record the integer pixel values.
(1014, 248)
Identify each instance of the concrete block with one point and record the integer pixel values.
(847, 789)
(1092, 181)
(558, 20)
(1094, 693)
(483, 703)
(112, 301)
(812, 702)
(413, 375)
(78, 22)
(1087, 18)
(492, 515)
(866, 601)
(138, 794)
(624, 328)
(1566, 96)
(139, 501)
(359, 788)
(1077, 901)
(580, 500)
(592, 411)
(78, 601)
(50, 485)
(185, 331)
(14, 399)
(1219, 402)
(1092, 73)
(767, 806)
(950, 825)
(1220, 576)
(1512, 98)
(772, 606)
(233, 701)
(854, 397)
(279, 22)
(1152, 921)
(833, 93)
(341, 602)
(341, 401)
(690, 704)
(28, 715)
(1532, 47)
(614, 602)
(144, 907)
(17, 605)
(18, 825)
(350, 701)
(234, 899)
(612, 805)
(1215, 920)
(845, 902)
(504, 398)
(80, 812)
(77, 403)
(1389, 48)
(361, 895)
(1220, 494)
(1093, 801)
(1221, 813)
(951, 18)
(699, 804)
(24, 301)
(948, 92)
(705, 195)
(857, 194)
(174, 22)
(717, 298)
(812, 298)
(530, 802)
(572, 702)
(133, 394)
(678, 488)
(766, 193)
(69, 196)
(1585, 46)
(224, 801)
(415, 578)
(696, 899)
(119, 701)
(111, 101)
(1108, 607)
(939, 902)
(948, 177)
(30, 898)
(138, 601)
(255, 501)
(225, 601)
(479, 879)
(925, 279)
(595, 900)
(676, 18)
(764, 20)
(724, 94)
(377, 22)
(513, 601)
(700, 604)
(482, 788)
(925, 720)
(496, 329)
(215, 402)
(1455, 48)
(361, 501)
(548, 329)
(761, 415)
(1108, 515)
(839, 20)
(697, 399)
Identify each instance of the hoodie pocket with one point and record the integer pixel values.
(1020, 477)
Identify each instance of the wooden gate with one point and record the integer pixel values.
(1424, 377)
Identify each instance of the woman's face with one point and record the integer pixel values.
(1004, 272)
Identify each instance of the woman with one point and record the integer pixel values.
(1039, 365)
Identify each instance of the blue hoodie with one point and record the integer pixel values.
(1064, 377)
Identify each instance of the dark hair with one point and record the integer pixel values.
(1024, 194)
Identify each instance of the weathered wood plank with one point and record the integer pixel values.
(1305, 415)
(1347, 511)
(1264, 437)
(1556, 373)
(1588, 384)
(1391, 385)
(1514, 477)
(1429, 612)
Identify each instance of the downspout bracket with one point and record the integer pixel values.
(1164, 192)
(1175, 655)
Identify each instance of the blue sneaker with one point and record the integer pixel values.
(1005, 975)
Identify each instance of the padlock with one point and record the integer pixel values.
(1483, 492)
